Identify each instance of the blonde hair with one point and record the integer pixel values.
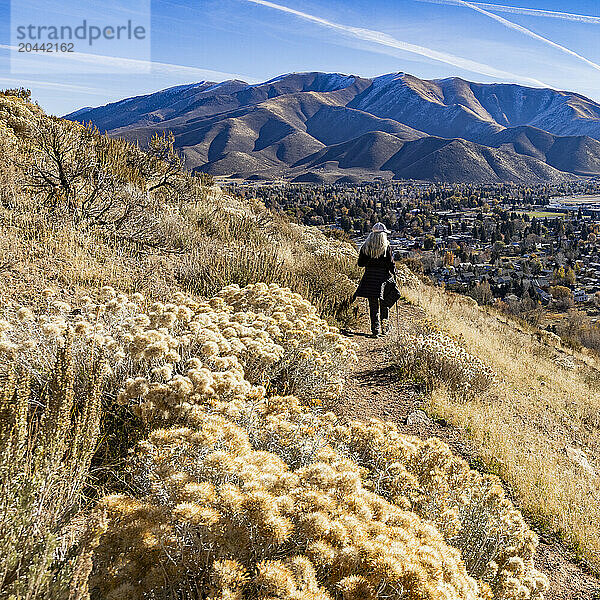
(376, 244)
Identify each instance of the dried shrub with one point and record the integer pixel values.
(434, 358)
(249, 494)
(46, 444)
(209, 496)
(258, 480)
(470, 509)
(274, 334)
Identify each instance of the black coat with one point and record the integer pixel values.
(377, 272)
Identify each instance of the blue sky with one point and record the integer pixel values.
(531, 42)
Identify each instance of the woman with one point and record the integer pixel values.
(377, 258)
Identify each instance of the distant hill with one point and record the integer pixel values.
(329, 126)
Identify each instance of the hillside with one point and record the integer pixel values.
(138, 220)
(172, 419)
(536, 426)
(375, 391)
(444, 130)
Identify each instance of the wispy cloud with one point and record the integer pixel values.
(528, 32)
(66, 87)
(133, 65)
(387, 41)
(518, 10)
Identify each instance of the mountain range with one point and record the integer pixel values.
(318, 127)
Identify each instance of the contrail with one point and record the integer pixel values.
(134, 64)
(52, 85)
(528, 32)
(383, 39)
(518, 10)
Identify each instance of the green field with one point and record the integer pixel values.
(541, 214)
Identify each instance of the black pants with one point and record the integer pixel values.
(377, 309)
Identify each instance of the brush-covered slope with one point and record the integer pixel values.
(103, 212)
(147, 336)
(281, 127)
(549, 451)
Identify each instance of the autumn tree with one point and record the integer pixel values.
(482, 293)
(563, 296)
(564, 277)
(536, 265)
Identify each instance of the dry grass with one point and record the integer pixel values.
(74, 239)
(547, 400)
(36, 252)
(47, 439)
(148, 226)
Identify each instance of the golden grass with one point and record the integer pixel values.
(47, 441)
(148, 226)
(36, 253)
(524, 424)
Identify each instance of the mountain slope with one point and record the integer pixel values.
(454, 107)
(457, 160)
(575, 154)
(436, 159)
(321, 126)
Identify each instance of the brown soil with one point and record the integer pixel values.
(374, 389)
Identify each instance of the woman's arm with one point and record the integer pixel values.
(363, 259)
(392, 262)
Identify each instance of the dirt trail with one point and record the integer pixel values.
(373, 389)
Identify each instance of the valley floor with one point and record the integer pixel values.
(374, 390)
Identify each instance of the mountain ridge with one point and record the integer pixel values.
(291, 126)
